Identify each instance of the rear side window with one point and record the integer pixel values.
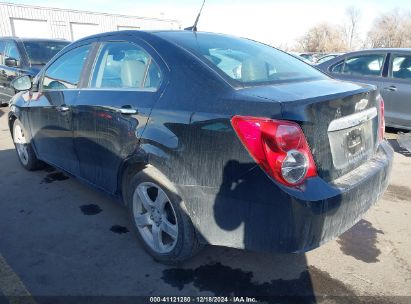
(65, 72)
(401, 67)
(366, 65)
(124, 65)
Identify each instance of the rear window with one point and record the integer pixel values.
(40, 52)
(244, 61)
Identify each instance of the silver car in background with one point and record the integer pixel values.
(387, 69)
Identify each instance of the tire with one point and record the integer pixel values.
(25, 152)
(154, 208)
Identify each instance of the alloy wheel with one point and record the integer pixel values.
(155, 217)
(21, 144)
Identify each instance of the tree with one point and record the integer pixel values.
(353, 15)
(392, 29)
(323, 38)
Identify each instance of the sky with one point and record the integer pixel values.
(276, 22)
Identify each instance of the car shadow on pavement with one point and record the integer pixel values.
(394, 142)
(398, 149)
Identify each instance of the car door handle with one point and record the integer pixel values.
(391, 88)
(126, 110)
(63, 108)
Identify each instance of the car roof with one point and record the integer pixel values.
(382, 50)
(42, 39)
(152, 33)
(32, 39)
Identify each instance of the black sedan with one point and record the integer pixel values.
(207, 139)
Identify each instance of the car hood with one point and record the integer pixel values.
(315, 89)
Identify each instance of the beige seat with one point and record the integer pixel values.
(253, 70)
(132, 73)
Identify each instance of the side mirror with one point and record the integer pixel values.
(22, 83)
(10, 62)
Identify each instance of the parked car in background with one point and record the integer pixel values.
(388, 69)
(327, 57)
(207, 138)
(308, 56)
(23, 57)
(301, 58)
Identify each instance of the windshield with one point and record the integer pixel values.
(245, 61)
(40, 52)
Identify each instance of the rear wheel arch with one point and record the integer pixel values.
(137, 163)
(131, 168)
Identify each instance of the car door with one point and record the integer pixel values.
(111, 113)
(363, 68)
(11, 68)
(396, 91)
(50, 113)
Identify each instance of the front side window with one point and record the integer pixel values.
(366, 65)
(401, 67)
(124, 65)
(65, 72)
(245, 61)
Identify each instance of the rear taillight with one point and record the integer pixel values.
(381, 132)
(279, 147)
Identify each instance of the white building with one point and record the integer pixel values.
(45, 22)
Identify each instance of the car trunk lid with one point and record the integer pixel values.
(339, 120)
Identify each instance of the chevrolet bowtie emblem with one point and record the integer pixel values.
(361, 105)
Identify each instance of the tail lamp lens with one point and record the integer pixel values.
(279, 147)
(382, 118)
(294, 167)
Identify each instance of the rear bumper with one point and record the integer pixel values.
(359, 190)
(253, 213)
